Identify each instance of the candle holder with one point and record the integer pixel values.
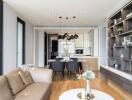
(85, 97)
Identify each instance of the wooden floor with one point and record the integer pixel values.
(100, 83)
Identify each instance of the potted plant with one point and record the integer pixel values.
(120, 30)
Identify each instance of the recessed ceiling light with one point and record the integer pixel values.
(67, 18)
(60, 17)
(74, 16)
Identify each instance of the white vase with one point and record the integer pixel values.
(88, 88)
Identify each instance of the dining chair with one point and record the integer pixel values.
(79, 64)
(58, 59)
(58, 66)
(74, 59)
(72, 67)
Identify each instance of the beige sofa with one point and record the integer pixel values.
(26, 84)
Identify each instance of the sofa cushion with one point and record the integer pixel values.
(5, 92)
(15, 82)
(26, 77)
(41, 75)
(35, 91)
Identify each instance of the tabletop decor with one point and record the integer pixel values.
(72, 95)
(88, 76)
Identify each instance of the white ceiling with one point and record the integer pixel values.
(56, 31)
(46, 12)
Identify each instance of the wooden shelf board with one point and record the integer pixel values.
(127, 59)
(124, 59)
(125, 33)
(118, 58)
(122, 46)
(111, 26)
(129, 46)
(115, 14)
(118, 23)
(112, 57)
(118, 47)
(128, 18)
(112, 37)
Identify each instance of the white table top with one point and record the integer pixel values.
(53, 60)
(79, 56)
(72, 95)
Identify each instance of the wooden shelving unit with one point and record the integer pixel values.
(119, 26)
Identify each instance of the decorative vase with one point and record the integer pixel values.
(88, 88)
(87, 93)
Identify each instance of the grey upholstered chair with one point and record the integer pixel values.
(72, 67)
(79, 64)
(58, 59)
(74, 59)
(58, 66)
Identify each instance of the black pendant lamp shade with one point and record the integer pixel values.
(75, 36)
(67, 36)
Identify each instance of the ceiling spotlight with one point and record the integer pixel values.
(74, 16)
(67, 18)
(60, 17)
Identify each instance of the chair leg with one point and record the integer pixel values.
(63, 74)
(75, 73)
(69, 74)
(54, 73)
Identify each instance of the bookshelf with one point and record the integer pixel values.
(119, 31)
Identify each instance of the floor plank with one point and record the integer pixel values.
(100, 83)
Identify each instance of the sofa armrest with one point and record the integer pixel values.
(41, 74)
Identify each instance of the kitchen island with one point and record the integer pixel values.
(88, 62)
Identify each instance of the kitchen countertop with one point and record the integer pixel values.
(80, 56)
(83, 56)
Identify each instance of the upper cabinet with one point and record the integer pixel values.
(79, 42)
(85, 41)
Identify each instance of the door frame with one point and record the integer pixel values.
(23, 40)
(1, 37)
(45, 48)
(49, 44)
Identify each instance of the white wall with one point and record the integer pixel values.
(39, 48)
(102, 45)
(96, 42)
(29, 43)
(87, 43)
(10, 39)
(36, 47)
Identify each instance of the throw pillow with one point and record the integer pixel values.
(15, 82)
(26, 77)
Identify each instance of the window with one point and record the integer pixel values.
(20, 42)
